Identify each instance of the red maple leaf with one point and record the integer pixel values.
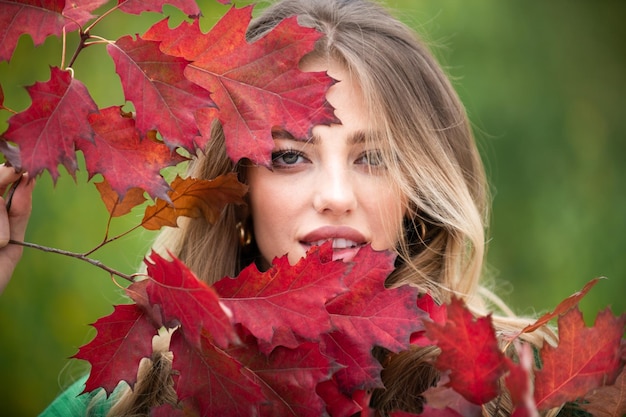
(337, 403)
(369, 315)
(518, 382)
(469, 349)
(437, 313)
(164, 99)
(287, 377)
(124, 337)
(211, 381)
(257, 85)
(285, 304)
(46, 132)
(189, 7)
(123, 158)
(39, 19)
(81, 11)
(186, 301)
(584, 359)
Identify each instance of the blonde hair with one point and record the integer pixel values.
(430, 153)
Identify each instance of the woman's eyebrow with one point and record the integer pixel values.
(280, 133)
(355, 138)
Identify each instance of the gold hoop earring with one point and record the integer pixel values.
(245, 235)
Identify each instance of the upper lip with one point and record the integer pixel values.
(334, 232)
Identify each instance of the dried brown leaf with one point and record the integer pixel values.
(609, 400)
(195, 198)
(116, 206)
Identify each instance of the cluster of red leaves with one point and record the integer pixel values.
(290, 341)
(298, 341)
(52, 17)
(179, 81)
(294, 340)
(573, 371)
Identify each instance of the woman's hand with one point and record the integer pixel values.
(14, 220)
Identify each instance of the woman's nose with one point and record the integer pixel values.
(335, 191)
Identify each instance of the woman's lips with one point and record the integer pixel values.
(338, 243)
(346, 241)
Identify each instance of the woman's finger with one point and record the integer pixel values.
(21, 205)
(14, 214)
(5, 231)
(7, 177)
(13, 224)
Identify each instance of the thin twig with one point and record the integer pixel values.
(75, 255)
(108, 239)
(9, 198)
(83, 38)
(102, 16)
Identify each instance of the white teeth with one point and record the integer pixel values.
(343, 243)
(338, 243)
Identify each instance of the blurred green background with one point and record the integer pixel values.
(544, 84)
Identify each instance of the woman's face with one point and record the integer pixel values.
(329, 187)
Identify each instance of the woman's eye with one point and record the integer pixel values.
(373, 158)
(285, 158)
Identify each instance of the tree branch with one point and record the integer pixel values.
(75, 255)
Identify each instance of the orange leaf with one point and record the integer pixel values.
(562, 308)
(116, 207)
(192, 197)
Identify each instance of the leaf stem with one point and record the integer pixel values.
(3, 107)
(83, 38)
(99, 40)
(64, 50)
(102, 16)
(108, 240)
(75, 255)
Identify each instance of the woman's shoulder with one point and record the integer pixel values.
(72, 403)
(572, 410)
